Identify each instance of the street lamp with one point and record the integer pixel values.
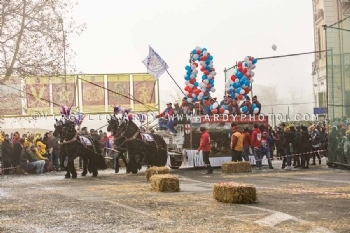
(60, 20)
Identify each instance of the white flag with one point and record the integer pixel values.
(156, 66)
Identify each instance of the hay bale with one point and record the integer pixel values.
(19, 170)
(121, 163)
(156, 171)
(165, 183)
(236, 167)
(235, 193)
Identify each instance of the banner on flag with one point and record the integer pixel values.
(63, 91)
(93, 96)
(144, 91)
(156, 66)
(38, 94)
(10, 97)
(119, 84)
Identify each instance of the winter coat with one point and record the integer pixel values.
(6, 149)
(304, 140)
(315, 138)
(265, 144)
(204, 142)
(255, 141)
(289, 138)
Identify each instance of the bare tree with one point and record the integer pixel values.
(33, 37)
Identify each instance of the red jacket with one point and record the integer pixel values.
(204, 142)
(246, 139)
(166, 113)
(255, 141)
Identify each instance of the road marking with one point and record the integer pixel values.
(274, 219)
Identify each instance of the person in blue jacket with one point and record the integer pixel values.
(266, 140)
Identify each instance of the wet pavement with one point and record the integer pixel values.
(314, 200)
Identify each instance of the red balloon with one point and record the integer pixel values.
(202, 69)
(189, 95)
(209, 86)
(190, 90)
(213, 77)
(247, 90)
(197, 91)
(198, 52)
(206, 72)
(233, 77)
(222, 110)
(204, 58)
(240, 97)
(186, 88)
(244, 71)
(214, 111)
(192, 80)
(239, 64)
(240, 69)
(195, 64)
(213, 69)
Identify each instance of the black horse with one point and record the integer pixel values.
(148, 145)
(74, 146)
(113, 125)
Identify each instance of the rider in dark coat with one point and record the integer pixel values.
(7, 153)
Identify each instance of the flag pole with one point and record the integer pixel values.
(175, 82)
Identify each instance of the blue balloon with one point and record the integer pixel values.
(224, 107)
(245, 64)
(194, 51)
(212, 85)
(204, 49)
(238, 90)
(207, 89)
(207, 62)
(232, 96)
(187, 78)
(244, 78)
(239, 75)
(210, 57)
(211, 81)
(255, 61)
(244, 108)
(188, 68)
(196, 84)
(247, 83)
(253, 106)
(211, 107)
(204, 77)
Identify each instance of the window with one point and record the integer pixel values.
(322, 100)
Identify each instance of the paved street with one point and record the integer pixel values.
(313, 200)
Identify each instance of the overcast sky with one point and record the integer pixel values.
(118, 34)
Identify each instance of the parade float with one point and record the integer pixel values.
(219, 118)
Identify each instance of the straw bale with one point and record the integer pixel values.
(236, 167)
(165, 183)
(155, 171)
(121, 163)
(235, 193)
(19, 170)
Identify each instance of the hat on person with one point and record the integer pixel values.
(234, 125)
(169, 103)
(286, 129)
(255, 97)
(247, 98)
(291, 126)
(303, 127)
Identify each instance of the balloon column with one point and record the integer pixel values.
(239, 85)
(194, 90)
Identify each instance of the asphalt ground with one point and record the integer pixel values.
(314, 200)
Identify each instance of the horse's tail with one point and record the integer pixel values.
(162, 152)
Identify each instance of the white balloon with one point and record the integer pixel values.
(200, 94)
(252, 73)
(211, 65)
(213, 89)
(202, 63)
(203, 89)
(198, 48)
(186, 92)
(210, 76)
(192, 76)
(187, 82)
(242, 92)
(215, 105)
(203, 85)
(195, 56)
(194, 95)
(236, 80)
(274, 47)
(205, 81)
(195, 71)
(205, 53)
(189, 100)
(191, 85)
(244, 86)
(253, 67)
(199, 97)
(226, 112)
(256, 110)
(246, 59)
(193, 67)
(213, 73)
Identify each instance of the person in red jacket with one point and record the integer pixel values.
(255, 143)
(204, 146)
(246, 144)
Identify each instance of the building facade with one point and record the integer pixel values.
(330, 85)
